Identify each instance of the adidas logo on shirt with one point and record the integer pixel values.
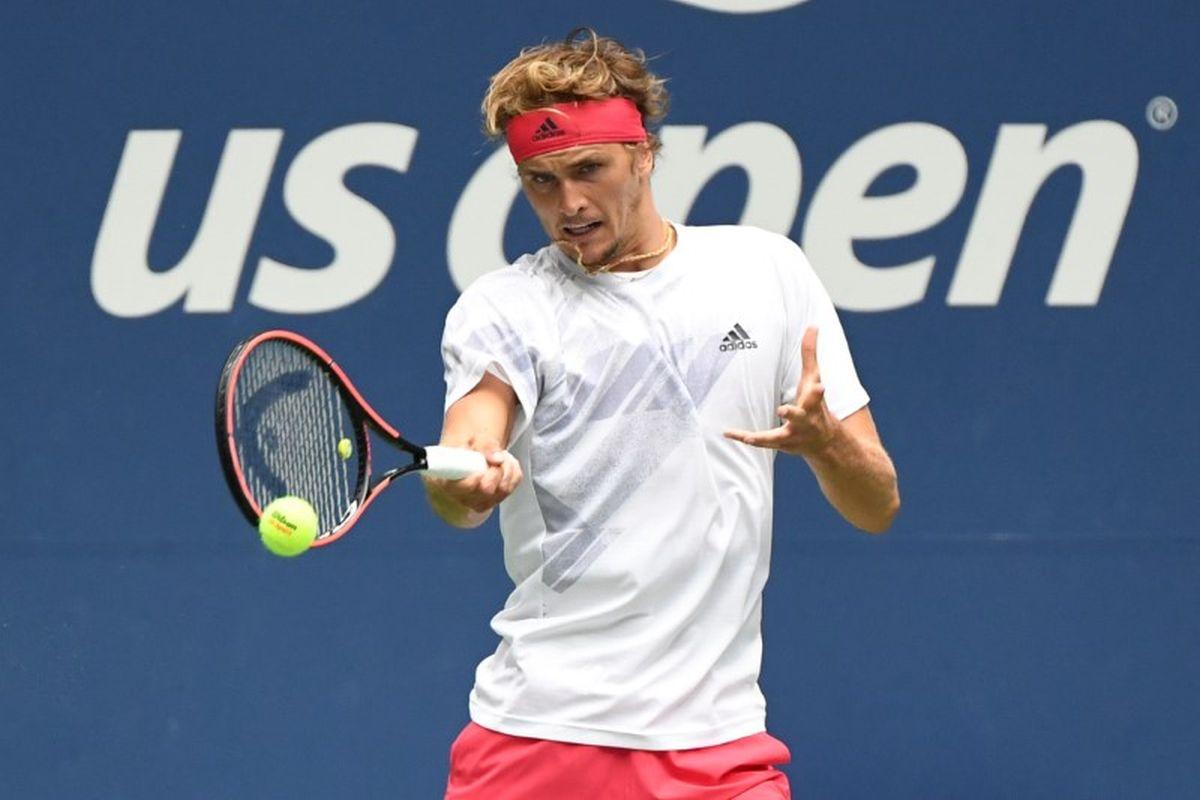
(547, 130)
(737, 339)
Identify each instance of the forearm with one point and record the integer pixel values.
(858, 479)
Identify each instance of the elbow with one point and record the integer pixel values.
(881, 512)
(881, 521)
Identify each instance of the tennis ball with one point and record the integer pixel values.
(345, 449)
(288, 526)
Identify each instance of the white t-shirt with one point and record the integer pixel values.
(640, 539)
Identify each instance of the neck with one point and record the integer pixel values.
(654, 241)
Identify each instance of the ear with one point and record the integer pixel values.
(643, 160)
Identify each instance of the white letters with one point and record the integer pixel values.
(206, 279)
(1021, 163)
(122, 282)
(841, 212)
(764, 152)
(742, 6)
(362, 237)
(475, 244)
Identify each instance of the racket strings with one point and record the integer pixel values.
(288, 419)
(331, 406)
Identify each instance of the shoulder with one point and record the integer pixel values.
(518, 297)
(748, 246)
(503, 283)
(746, 238)
(739, 234)
(530, 278)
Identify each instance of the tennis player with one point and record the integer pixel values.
(630, 384)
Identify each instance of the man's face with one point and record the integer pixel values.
(588, 199)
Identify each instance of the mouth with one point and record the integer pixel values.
(580, 231)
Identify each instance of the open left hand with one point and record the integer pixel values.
(808, 426)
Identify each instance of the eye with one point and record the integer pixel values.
(539, 179)
(588, 167)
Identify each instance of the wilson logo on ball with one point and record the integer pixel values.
(281, 522)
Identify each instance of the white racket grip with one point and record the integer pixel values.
(453, 463)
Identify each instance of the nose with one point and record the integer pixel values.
(571, 201)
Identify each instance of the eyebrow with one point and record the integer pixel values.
(591, 155)
(580, 160)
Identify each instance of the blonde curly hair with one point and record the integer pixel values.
(589, 68)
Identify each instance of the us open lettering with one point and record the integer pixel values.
(841, 213)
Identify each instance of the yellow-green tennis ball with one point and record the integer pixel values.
(345, 449)
(288, 526)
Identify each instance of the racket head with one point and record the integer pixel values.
(282, 409)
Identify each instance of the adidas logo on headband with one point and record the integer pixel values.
(548, 130)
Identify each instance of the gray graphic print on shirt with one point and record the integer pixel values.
(639, 401)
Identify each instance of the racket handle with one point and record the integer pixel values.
(453, 463)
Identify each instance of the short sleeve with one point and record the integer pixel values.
(489, 331)
(808, 304)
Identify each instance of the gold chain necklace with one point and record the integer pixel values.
(668, 240)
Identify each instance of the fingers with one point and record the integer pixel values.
(487, 489)
(479, 492)
(810, 393)
(772, 439)
(809, 398)
(501, 479)
(489, 482)
(498, 473)
(810, 371)
(808, 401)
(510, 471)
(806, 425)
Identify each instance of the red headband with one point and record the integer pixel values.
(563, 125)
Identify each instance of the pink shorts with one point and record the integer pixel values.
(485, 765)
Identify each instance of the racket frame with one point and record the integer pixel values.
(364, 417)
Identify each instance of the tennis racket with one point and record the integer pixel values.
(289, 422)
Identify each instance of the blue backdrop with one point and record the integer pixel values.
(1002, 197)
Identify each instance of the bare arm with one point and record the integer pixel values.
(481, 420)
(854, 471)
(856, 475)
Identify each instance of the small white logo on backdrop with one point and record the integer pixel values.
(742, 6)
